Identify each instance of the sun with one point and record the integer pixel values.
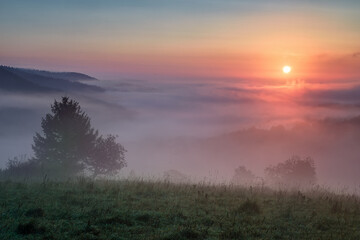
(286, 69)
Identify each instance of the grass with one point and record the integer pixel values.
(85, 209)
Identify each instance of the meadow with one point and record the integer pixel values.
(139, 209)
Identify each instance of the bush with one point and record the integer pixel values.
(249, 207)
(21, 167)
(30, 228)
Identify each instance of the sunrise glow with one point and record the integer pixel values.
(178, 119)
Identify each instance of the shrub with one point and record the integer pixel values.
(249, 207)
(30, 228)
(20, 167)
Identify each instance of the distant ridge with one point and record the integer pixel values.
(14, 83)
(71, 76)
(30, 80)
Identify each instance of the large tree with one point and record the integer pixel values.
(68, 144)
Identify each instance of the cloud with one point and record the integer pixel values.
(330, 141)
(350, 95)
(130, 86)
(330, 105)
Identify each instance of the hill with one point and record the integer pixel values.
(9, 81)
(125, 209)
(28, 80)
(70, 76)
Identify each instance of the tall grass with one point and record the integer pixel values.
(144, 209)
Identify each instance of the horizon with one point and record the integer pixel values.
(191, 71)
(180, 119)
(230, 39)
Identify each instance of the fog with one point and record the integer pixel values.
(207, 128)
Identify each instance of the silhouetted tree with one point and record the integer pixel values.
(108, 156)
(70, 145)
(243, 176)
(294, 172)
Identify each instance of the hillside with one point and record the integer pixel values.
(70, 76)
(9, 81)
(28, 80)
(125, 209)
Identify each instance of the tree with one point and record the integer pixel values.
(243, 176)
(108, 156)
(294, 172)
(69, 144)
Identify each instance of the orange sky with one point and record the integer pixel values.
(221, 39)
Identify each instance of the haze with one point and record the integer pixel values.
(196, 86)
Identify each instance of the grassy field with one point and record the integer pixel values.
(85, 209)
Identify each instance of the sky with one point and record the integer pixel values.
(182, 38)
(190, 69)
